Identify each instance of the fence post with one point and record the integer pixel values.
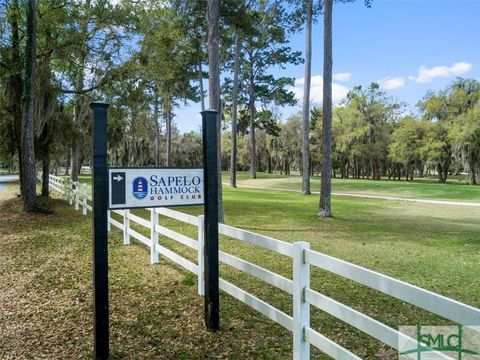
(70, 189)
(301, 309)
(85, 197)
(201, 260)
(153, 236)
(109, 225)
(126, 226)
(77, 185)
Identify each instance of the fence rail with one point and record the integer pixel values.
(299, 286)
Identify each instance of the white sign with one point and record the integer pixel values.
(154, 187)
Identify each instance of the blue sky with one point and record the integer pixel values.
(408, 46)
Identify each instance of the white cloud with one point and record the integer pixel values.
(339, 92)
(429, 74)
(392, 83)
(342, 76)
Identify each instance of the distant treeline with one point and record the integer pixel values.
(372, 138)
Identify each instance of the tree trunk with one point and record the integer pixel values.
(78, 140)
(168, 132)
(46, 176)
(442, 172)
(157, 130)
(306, 101)
(326, 180)
(213, 42)
(200, 83)
(446, 168)
(253, 150)
(75, 159)
(28, 104)
(473, 178)
(77, 144)
(125, 154)
(16, 85)
(45, 144)
(233, 159)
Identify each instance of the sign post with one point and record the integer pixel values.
(210, 161)
(100, 233)
(126, 188)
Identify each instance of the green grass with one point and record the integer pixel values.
(46, 261)
(245, 175)
(436, 247)
(417, 189)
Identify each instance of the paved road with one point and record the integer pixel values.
(365, 196)
(5, 179)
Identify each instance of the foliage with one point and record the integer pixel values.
(372, 138)
(453, 121)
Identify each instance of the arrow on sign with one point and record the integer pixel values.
(117, 187)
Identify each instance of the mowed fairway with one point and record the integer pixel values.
(157, 314)
(421, 189)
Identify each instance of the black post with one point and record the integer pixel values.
(210, 161)
(100, 233)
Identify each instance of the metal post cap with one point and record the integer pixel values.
(100, 104)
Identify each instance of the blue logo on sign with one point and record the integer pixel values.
(140, 187)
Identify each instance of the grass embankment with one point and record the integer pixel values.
(46, 275)
(419, 189)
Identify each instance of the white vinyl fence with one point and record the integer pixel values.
(299, 286)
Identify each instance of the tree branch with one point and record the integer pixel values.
(102, 82)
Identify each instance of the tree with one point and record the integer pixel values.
(288, 145)
(405, 145)
(95, 32)
(237, 16)
(466, 141)
(51, 118)
(236, 69)
(306, 100)
(326, 180)
(12, 67)
(213, 43)
(266, 47)
(28, 110)
(168, 60)
(443, 110)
